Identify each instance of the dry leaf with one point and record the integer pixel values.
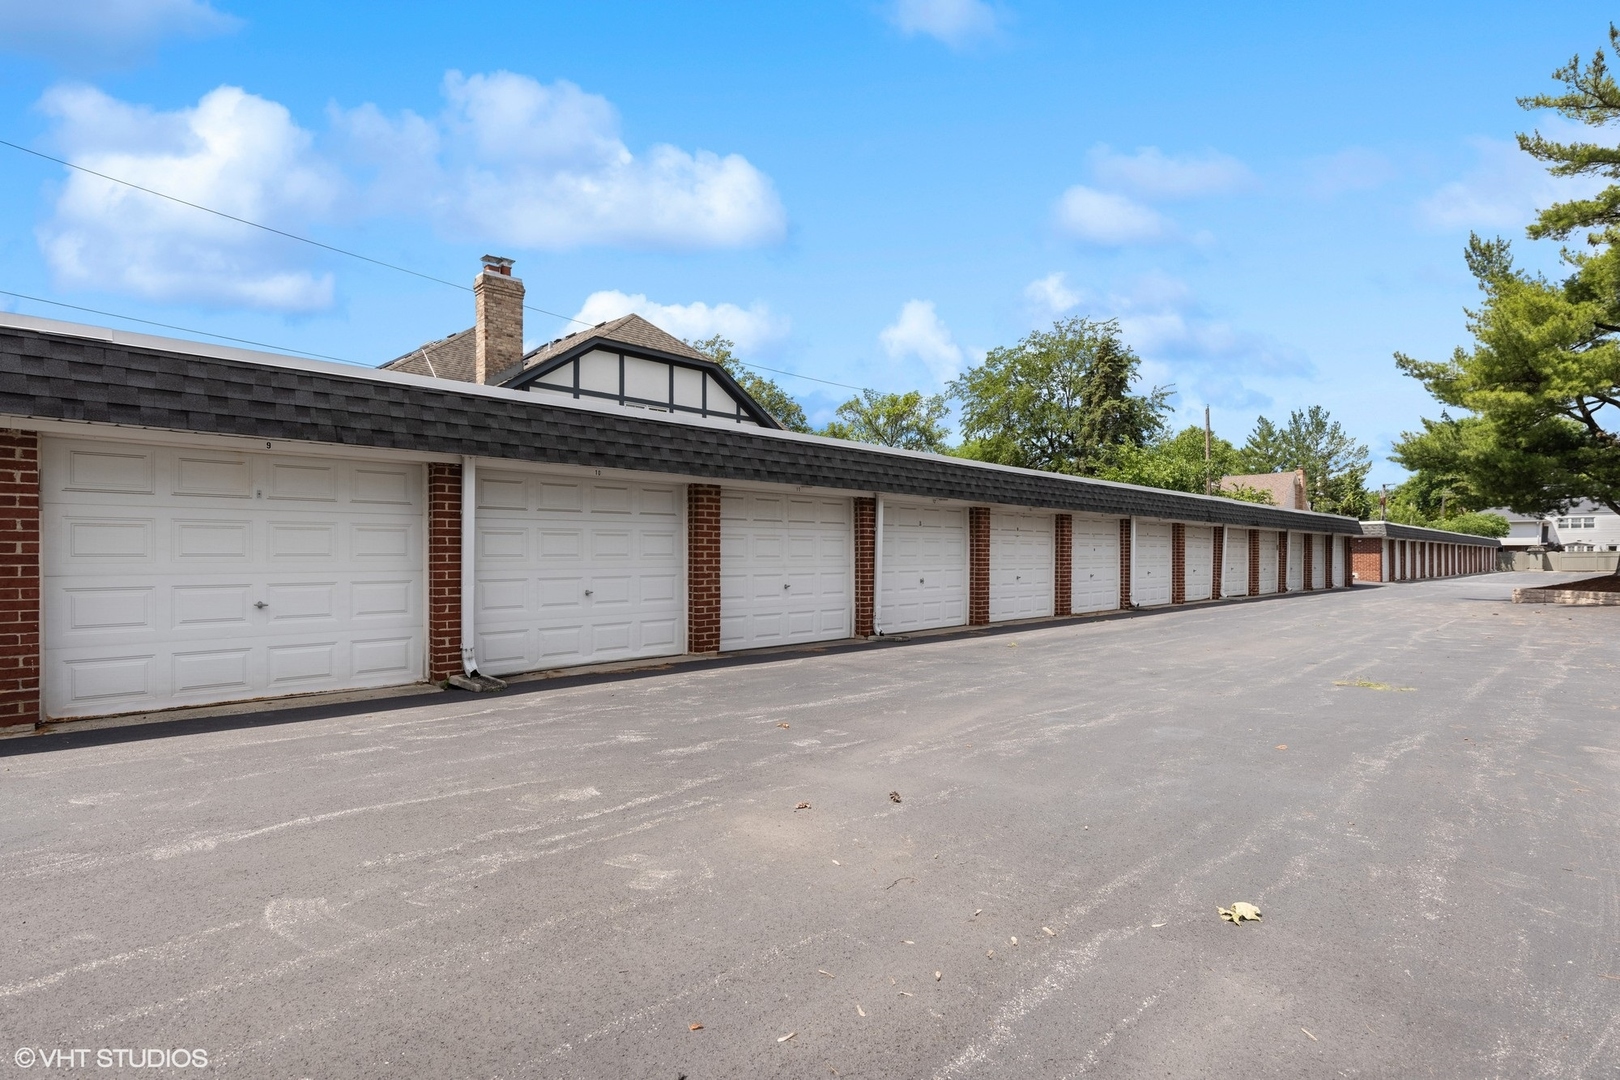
(786, 1037)
(1282, 746)
(937, 976)
(694, 1027)
(1049, 931)
(1012, 644)
(782, 726)
(977, 912)
(859, 1009)
(1240, 912)
(991, 953)
(802, 806)
(894, 796)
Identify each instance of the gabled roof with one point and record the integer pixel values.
(629, 329)
(453, 357)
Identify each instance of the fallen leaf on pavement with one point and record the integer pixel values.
(1240, 912)
(788, 1036)
(694, 1027)
(937, 976)
(894, 796)
(802, 806)
(1049, 931)
(859, 1009)
(1282, 746)
(781, 725)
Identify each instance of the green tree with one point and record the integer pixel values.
(1176, 463)
(911, 421)
(1335, 464)
(1540, 386)
(771, 397)
(1059, 400)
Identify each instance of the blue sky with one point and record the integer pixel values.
(1272, 200)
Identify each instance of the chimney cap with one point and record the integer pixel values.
(498, 264)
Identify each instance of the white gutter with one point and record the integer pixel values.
(877, 569)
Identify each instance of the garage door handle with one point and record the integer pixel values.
(587, 592)
(261, 604)
(785, 585)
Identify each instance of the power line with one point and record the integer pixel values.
(273, 230)
(182, 329)
(313, 243)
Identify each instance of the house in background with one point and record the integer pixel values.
(1287, 489)
(1586, 526)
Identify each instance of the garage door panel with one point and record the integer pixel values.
(1150, 584)
(1235, 563)
(206, 536)
(1021, 553)
(589, 571)
(1268, 562)
(1200, 555)
(784, 560)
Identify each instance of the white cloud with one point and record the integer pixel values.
(100, 30)
(954, 22)
(919, 332)
(750, 329)
(233, 151)
(1052, 295)
(1504, 190)
(1102, 217)
(1354, 168)
(1150, 173)
(533, 165)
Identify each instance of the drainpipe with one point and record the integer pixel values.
(1136, 570)
(877, 568)
(470, 679)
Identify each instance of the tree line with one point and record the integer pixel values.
(1062, 400)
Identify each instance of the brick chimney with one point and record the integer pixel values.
(499, 330)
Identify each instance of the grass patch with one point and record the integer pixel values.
(1368, 684)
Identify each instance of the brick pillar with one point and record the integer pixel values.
(1178, 563)
(1063, 565)
(1366, 557)
(1327, 560)
(702, 568)
(1124, 564)
(865, 564)
(1254, 562)
(1217, 562)
(444, 570)
(19, 581)
(1282, 561)
(978, 566)
(1307, 547)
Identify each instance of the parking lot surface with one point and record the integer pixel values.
(1418, 785)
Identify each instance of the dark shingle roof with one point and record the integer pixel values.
(453, 357)
(1396, 531)
(86, 374)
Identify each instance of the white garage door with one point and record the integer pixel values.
(1150, 577)
(1235, 563)
(786, 567)
(183, 577)
(1319, 556)
(1200, 571)
(576, 571)
(1341, 562)
(1096, 564)
(1021, 547)
(925, 573)
(1296, 562)
(1268, 561)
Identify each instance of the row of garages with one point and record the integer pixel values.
(177, 575)
(181, 525)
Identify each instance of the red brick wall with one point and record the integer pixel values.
(1063, 565)
(1219, 559)
(1327, 560)
(1307, 548)
(1367, 557)
(702, 568)
(1124, 564)
(1178, 563)
(978, 566)
(444, 570)
(19, 579)
(1254, 562)
(1282, 561)
(865, 563)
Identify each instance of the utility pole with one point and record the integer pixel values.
(1209, 477)
(1383, 503)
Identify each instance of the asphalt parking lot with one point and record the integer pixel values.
(1419, 786)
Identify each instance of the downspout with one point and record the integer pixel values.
(470, 679)
(877, 568)
(1136, 571)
